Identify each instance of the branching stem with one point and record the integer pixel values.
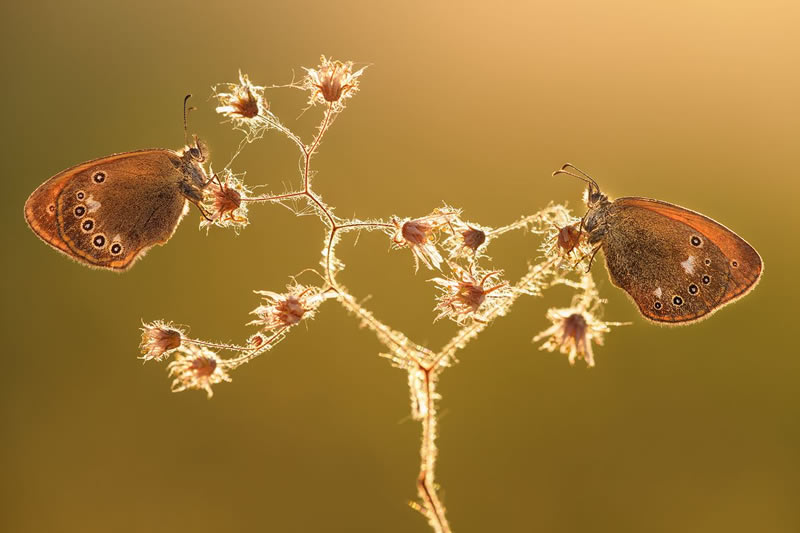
(422, 364)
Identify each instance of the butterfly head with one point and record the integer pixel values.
(197, 152)
(191, 162)
(598, 205)
(595, 198)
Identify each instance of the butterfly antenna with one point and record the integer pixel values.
(186, 117)
(583, 176)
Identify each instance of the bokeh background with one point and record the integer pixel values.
(691, 429)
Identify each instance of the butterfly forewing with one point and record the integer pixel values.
(110, 210)
(677, 265)
(745, 263)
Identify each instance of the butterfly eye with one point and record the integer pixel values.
(695, 240)
(80, 211)
(116, 249)
(195, 152)
(657, 305)
(88, 225)
(693, 289)
(99, 240)
(99, 177)
(80, 195)
(677, 300)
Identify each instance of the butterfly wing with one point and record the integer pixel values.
(40, 211)
(107, 212)
(677, 265)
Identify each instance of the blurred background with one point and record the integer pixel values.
(691, 429)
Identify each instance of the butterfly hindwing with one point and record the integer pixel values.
(744, 262)
(673, 270)
(107, 212)
(40, 212)
(116, 208)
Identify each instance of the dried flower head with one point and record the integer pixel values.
(158, 340)
(331, 82)
(222, 199)
(196, 367)
(244, 105)
(565, 239)
(466, 239)
(465, 293)
(575, 328)
(285, 310)
(243, 102)
(419, 235)
(473, 238)
(568, 238)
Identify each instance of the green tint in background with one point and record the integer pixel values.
(691, 429)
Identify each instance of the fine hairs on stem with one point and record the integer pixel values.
(472, 294)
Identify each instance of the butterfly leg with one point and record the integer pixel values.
(204, 212)
(591, 259)
(212, 178)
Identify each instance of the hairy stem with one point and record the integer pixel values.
(426, 480)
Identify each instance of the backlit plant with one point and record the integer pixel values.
(471, 293)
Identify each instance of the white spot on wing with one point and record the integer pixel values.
(92, 205)
(657, 292)
(688, 265)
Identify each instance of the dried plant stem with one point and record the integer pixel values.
(218, 345)
(424, 367)
(426, 480)
(309, 152)
(273, 122)
(401, 349)
(275, 198)
(252, 353)
(441, 241)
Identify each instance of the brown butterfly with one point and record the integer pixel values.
(678, 266)
(107, 212)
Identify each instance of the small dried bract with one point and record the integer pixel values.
(222, 199)
(256, 341)
(282, 311)
(419, 235)
(465, 293)
(196, 367)
(332, 82)
(575, 328)
(158, 340)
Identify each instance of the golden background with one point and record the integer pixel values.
(691, 429)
